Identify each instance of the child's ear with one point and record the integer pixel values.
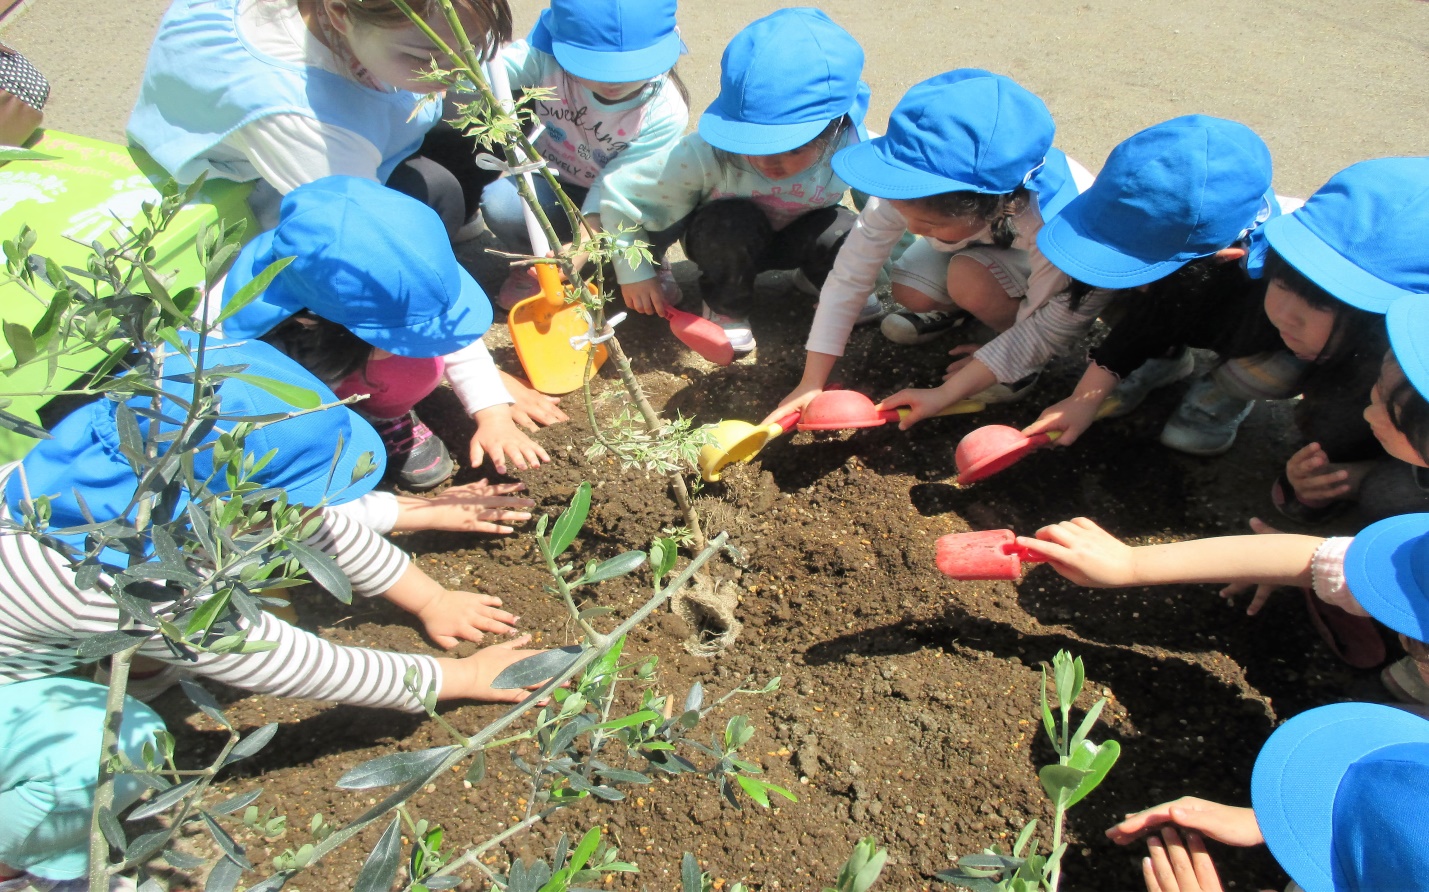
(1228, 255)
(337, 13)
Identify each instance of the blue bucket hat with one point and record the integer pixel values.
(1361, 236)
(963, 131)
(1175, 192)
(1387, 570)
(782, 80)
(369, 258)
(611, 41)
(1408, 325)
(82, 465)
(1337, 794)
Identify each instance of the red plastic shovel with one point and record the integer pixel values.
(986, 554)
(838, 410)
(994, 447)
(701, 335)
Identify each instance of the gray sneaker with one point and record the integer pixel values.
(908, 327)
(1206, 421)
(1152, 374)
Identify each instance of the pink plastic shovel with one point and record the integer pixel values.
(701, 335)
(838, 410)
(986, 554)
(992, 448)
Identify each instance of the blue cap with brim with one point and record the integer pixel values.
(783, 79)
(1336, 793)
(83, 467)
(1173, 193)
(1387, 570)
(1408, 325)
(611, 41)
(1361, 236)
(369, 258)
(963, 131)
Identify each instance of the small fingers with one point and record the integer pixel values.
(1257, 601)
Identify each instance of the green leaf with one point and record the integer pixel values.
(1065, 671)
(292, 394)
(164, 801)
(252, 744)
(106, 643)
(1023, 838)
(22, 344)
(1088, 721)
(254, 287)
(323, 570)
(477, 772)
(394, 768)
(224, 877)
(638, 718)
(619, 565)
(585, 849)
(691, 877)
(204, 701)
(759, 790)
(229, 806)
(113, 833)
(737, 732)
(380, 870)
(663, 554)
(1048, 722)
(1097, 763)
(536, 668)
(569, 524)
(207, 613)
(1059, 781)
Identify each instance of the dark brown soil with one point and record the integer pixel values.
(908, 705)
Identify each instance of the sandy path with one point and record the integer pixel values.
(1325, 83)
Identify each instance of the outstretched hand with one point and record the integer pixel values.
(451, 617)
(1084, 553)
(1229, 824)
(1316, 479)
(532, 409)
(498, 437)
(797, 400)
(921, 402)
(1176, 866)
(470, 678)
(479, 507)
(1070, 419)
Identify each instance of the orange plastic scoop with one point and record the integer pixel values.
(837, 410)
(701, 335)
(992, 448)
(541, 330)
(986, 554)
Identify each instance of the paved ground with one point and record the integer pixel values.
(1325, 82)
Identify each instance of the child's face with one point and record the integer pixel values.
(783, 165)
(612, 92)
(1377, 414)
(1304, 329)
(931, 224)
(395, 56)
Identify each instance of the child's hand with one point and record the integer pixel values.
(796, 401)
(452, 617)
(532, 408)
(964, 352)
(1316, 479)
(645, 297)
(1229, 824)
(470, 678)
(921, 403)
(498, 436)
(479, 507)
(1263, 591)
(1072, 416)
(1084, 553)
(1176, 866)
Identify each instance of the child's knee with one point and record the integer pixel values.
(918, 301)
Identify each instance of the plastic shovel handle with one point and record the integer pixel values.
(783, 425)
(961, 407)
(501, 86)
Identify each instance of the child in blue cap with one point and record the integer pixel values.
(753, 190)
(1169, 214)
(50, 726)
(1336, 795)
(283, 92)
(375, 303)
(617, 99)
(968, 166)
(1377, 574)
(1335, 266)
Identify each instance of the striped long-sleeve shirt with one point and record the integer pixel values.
(44, 615)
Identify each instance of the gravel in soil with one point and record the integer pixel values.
(908, 708)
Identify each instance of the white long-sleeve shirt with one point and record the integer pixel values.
(44, 615)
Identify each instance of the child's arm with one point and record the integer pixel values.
(1229, 824)
(1088, 555)
(1073, 415)
(449, 617)
(965, 377)
(479, 507)
(666, 117)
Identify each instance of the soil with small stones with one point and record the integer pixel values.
(908, 709)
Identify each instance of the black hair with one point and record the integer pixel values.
(1199, 275)
(327, 350)
(1356, 333)
(999, 211)
(679, 84)
(1408, 409)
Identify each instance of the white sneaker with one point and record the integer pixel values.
(908, 327)
(741, 337)
(872, 311)
(1006, 393)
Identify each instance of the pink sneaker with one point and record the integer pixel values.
(419, 456)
